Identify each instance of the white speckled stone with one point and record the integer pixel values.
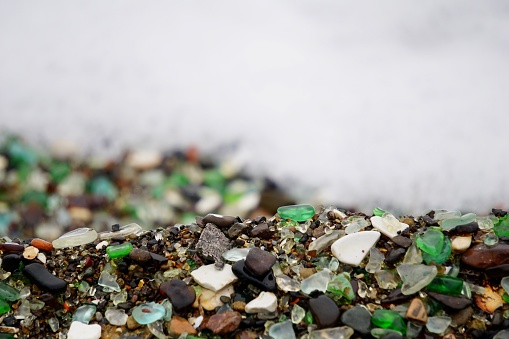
(388, 225)
(352, 248)
(210, 277)
(265, 302)
(79, 330)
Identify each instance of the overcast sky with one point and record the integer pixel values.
(401, 104)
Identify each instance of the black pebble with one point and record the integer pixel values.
(267, 283)
(498, 271)
(159, 259)
(466, 228)
(46, 281)
(10, 262)
(10, 321)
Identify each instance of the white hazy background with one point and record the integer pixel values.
(402, 104)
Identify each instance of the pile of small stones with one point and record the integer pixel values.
(302, 273)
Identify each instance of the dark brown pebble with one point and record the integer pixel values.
(324, 310)
(402, 241)
(12, 247)
(140, 255)
(457, 303)
(462, 317)
(180, 294)
(236, 230)
(395, 256)
(498, 271)
(259, 262)
(396, 297)
(221, 221)
(261, 231)
(224, 323)
(159, 259)
(482, 256)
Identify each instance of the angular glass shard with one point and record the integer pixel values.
(376, 258)
(340, 285)
(415, 277)
(282, 330)
(108, 282)
(438, 324)
(84, 313)
(287, 284)
(387, 279)
(316, 282)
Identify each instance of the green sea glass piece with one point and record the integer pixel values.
(441, 257)
(296, 212)
(389, 320)
(119, 251)
(446, 284)
(7, 292)
(340, 285)
(501, 228)
(4, 306)
(379, 212)
(431, 242)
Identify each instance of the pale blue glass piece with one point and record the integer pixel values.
(84, 313)
(148, 313)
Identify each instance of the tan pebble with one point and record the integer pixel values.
(30, 252)
(417, 312)
(490, 301)
(306, 272)
(80, 214)
(132, 324)
(239, 306)
(461, 244)
(178, 325)
(449, 336)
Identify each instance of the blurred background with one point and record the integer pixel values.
(402, 105)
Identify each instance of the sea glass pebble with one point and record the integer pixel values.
(77, 237)
(148, 313)
(296, 212)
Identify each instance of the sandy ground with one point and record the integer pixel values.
(401, 104)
